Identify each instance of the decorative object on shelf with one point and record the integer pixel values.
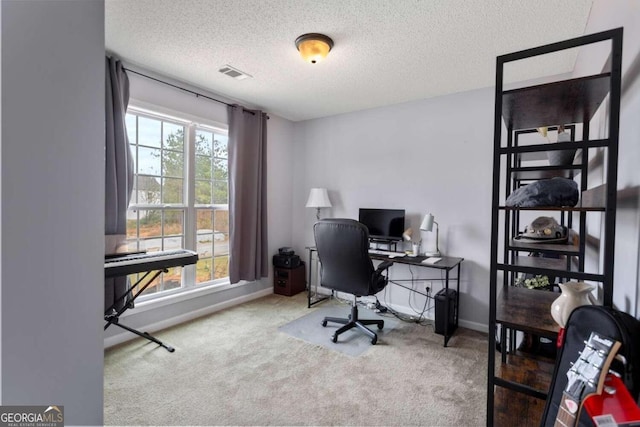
(544, 131)
(517, 378)
(546, 192)
(427, 225)
(536, 282)
(574, 294)
(561, 157)
(318, 198)
(544, 229)
(314, 47)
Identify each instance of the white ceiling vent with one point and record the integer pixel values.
(234, 72)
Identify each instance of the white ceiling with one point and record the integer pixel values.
(386, 51)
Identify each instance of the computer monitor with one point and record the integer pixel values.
(383, 224)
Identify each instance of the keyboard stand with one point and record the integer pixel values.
(113, 316)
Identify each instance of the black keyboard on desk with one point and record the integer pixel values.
(117, 265)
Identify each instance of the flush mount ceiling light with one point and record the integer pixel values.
(314, 47)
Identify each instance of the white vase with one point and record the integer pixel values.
(574, 294)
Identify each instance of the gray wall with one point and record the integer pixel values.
(433, 155)
(53, 206)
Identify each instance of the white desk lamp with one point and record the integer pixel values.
(427, 225)
(318, 198)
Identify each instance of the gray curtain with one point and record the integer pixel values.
(118, 169)
(248, 258)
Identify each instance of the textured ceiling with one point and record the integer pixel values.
(386, 52)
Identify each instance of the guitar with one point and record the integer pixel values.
(613, 407)
(586, 377)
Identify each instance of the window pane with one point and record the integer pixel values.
(153, 287)
(173, 137)
(221, 232)
(132, 225)
(221, 267)
(150, 223)
(172, 190)
(203, 167)
(204, 219)
(173, 163)
(220, 146)
(203, 192)
(172, 279)
(132, 245)
(220, 192)
(130, 123)
(173, 222)
(171, 243)
(205, 233)
(204, 270)
(205, 244)
(149, 131)
(151, 245)
(221, 244)
(220, 169)
(222, 220)
(149, 161)
(205, 241)
(147, 190)
(204, 142)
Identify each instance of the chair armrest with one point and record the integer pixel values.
(383, 266)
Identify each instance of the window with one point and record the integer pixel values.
(211, 204)
(180, 196)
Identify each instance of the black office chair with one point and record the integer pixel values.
(343, 251)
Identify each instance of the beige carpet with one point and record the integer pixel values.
(235, 368)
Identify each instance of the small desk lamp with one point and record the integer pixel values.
(427, 225)
(318, 198)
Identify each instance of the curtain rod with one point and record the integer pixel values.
(198, 95)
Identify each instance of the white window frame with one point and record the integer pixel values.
(191, 123)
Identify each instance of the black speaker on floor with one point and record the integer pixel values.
(441, 301)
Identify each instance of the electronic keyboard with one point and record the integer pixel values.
(117, 265)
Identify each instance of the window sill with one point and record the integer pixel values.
(176, 297)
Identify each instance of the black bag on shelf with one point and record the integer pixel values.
(546, 192)
(610, 323)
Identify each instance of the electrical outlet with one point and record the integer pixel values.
(427, 286)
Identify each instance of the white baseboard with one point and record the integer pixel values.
(474, 326)
(176, 320)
